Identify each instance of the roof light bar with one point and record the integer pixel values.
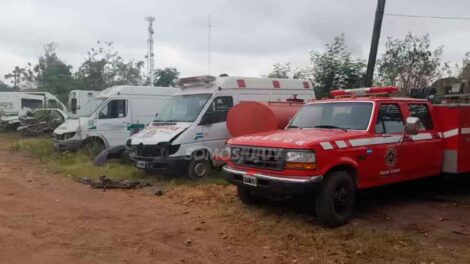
(387, 90)
(195, 80)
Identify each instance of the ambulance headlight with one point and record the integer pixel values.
(300, 160)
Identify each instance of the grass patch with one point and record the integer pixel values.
(79, 164)
(74, 164)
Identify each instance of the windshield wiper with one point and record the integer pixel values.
(332, 127)
(292, 126)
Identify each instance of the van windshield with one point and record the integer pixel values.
(338, 115)
(183, 108)
(90, 107)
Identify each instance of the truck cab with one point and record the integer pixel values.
(360, 139)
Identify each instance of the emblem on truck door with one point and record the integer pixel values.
(391, 157)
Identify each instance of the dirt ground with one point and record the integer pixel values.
(49, 218)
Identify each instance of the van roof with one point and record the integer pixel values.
(237, 82)
(136, 90)
(22, 95)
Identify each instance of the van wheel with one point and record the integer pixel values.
(246, 196)
(199, 169)
(334, 204)
(93, 146)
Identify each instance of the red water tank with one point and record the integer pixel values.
(251, 117)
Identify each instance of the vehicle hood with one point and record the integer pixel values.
(159, 132)
(9, 118)
(295, 138)
(70, 125)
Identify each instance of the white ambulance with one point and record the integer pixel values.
(111, 117)
(191, 127)
(79, 98)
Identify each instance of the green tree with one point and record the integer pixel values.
(52, 74)
(5, 87)
(335, 68)
(465, 69)
(104, 67)
(410, 62)
(166, 77)
(285, 71)
(21, 77)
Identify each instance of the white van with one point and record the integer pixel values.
(79, 98)
(193, 121)
(16, 104)
(111, 117)
(50, 100)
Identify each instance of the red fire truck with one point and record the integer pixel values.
(362, 138)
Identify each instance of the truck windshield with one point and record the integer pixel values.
(90, 107)
(334, 115)
(183, 108)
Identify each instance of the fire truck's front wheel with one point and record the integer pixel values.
(246, 196)
(335, 202)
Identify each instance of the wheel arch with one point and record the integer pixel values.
(347, 167)
(99, 137)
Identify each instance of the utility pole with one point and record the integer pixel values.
(209, 46)
(150, 54)
(379, 14)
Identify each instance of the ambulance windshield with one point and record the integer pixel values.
(89, 108)
(183, 108)
(334, 115)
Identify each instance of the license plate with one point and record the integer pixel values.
(250, 180)
(141, 164)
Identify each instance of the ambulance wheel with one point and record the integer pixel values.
(93, 147)
(334, 204)
(246, 196)
(199, 168)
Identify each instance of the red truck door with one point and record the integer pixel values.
(424, 155)
(387, 153)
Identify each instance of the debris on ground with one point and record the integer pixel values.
(106, 183)
(188, 242)
(116, 152)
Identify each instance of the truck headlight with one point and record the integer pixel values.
(300, 160)
(68, 135)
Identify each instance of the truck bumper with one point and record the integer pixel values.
(164, 164)
(274, 184)
(67, 145)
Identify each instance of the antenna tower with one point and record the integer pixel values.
(150, 54)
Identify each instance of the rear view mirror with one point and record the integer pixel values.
(412, 126)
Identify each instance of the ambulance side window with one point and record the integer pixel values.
(219, 108)
(114, 109)
(390, 119)
(422, 112)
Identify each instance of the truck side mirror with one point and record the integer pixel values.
(412, 126)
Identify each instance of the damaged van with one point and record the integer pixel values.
(111, 117)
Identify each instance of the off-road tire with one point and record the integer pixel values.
(334, 204)
(246, 196)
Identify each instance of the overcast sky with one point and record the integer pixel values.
(248, 36)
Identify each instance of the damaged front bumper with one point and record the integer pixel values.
(67, 145)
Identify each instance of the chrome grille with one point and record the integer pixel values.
(258, 157)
